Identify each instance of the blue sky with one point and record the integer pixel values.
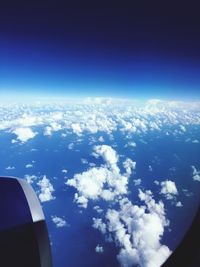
(74, 51)
(28, 69)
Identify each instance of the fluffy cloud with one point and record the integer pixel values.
(195, 141)
(108, 154)
(59, 222)
(10, 168)
(101, 139)
(70, 146)
(53, 127)
(30, 178)
(105, 182)
(131, 144)
(168, 189)
(29, 165)
(99, 249)
(99, 224)
(195, 174)
(76, 128)
(137, 182)
(98, 183)
(137, 231)
(24, 134)
(103, 116)
(150, 168)
(129, 165)
(46, 189)
(179, 204)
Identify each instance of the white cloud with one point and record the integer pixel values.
(137, 182)
(59, 222)
(76, 128)
(187, 193)
(98, 209)
(24, 134)
(156, 182)
(103, 182)
(183, 129)
(99, 249)
(195, 174)
(30, 178)
(53, 127)
(28, 120)
(103, 116)
(70, 146)
(131, 144)
(168, 189)
(10, 168)
(108, 154)
(92, 164)
(63, 134)
(29, 165)
(101, 139)
(137, 231)
(84, 161)
(195, 141)
(129, 165)
(48, 131)
(98, 224)
(179, 204)
(46, 189)
(150, 168)
(64, 171)
(98, 183)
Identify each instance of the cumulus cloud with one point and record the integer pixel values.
(182, 127)
(24, 134)
(70, 146)
(30, 178)
(99, 249)
(76, 128)
(98, 209)
(98, 183)
(168, 189)
(29, 165)
(195, 174)
(137, 231)
(131, 144)
(46, 189)
(106, 117)
(84, 161)
(99, 224)
(150, 168)
(10, 168)
(53, 127)
(179, 204)
(129, 165)
(137, 182)
(58, 221)
(108, 154)
(101, 139)
(196, 141)
(105, 182)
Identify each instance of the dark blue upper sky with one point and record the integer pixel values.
(108, 48)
